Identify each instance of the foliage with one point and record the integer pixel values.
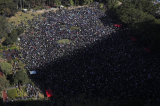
(8, 61)
(4, 83)
(5, 67)
(21, 77)
(3, 26)
(12, 37)
(140, 15)
(57, 2)
(130, 15)
(16, 93)
(71, 2)
(7, 41)
(111, 3)
(121, 1)
(20, 31)
(87, 1)
(15, 60)
(13, 47)
(7, 8)
(12, 93)
(1, 56)
(21, 65)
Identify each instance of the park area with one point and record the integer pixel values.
(21, 16)
(16, 93)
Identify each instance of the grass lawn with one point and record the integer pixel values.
(14, 47)
(64, 41)
(74, 28)
(17, 17)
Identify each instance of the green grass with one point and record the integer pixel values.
(17, 17)
(14, 47)
(3, 48)
(74, 28)
(64, 41)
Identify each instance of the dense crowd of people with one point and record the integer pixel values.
(99, 61)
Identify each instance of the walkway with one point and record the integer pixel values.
(4, 96)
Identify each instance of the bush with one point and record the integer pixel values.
(20, 31)
(121, 1)
(12, 93)
(16, 59)
(8, 61)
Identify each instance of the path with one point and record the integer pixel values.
(13, 87)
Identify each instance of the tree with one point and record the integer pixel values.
(71, 2)
(4, 83)
(21, 77)
(5, 67)
(3, 27)
(130, 15)
(8, 8)
(57, 2)
(14, 35)
(20, 31)
(21, 65)
(8, 41)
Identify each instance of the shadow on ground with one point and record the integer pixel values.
(115, 68)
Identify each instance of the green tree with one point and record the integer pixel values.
(3, 27)
(21, 65)
(5, 67)
(21, 77)
(8, 41)
(20, 31)
(14, 35)
(57, 2)
(4, 83)
(71, 2)
(8, 8)
(130, 15)
(11, 38)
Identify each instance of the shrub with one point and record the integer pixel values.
(16, 59)
(8, 61)
(12, 93)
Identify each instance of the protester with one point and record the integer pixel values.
(94, 63)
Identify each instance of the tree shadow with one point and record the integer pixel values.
(117, 59)
(10, 78)
(114, 67)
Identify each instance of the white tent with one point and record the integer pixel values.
(32, 72)
(18, 39)
(24, 10)
(61, 6)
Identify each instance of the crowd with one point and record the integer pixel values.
(32, 91)
(100, 61)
